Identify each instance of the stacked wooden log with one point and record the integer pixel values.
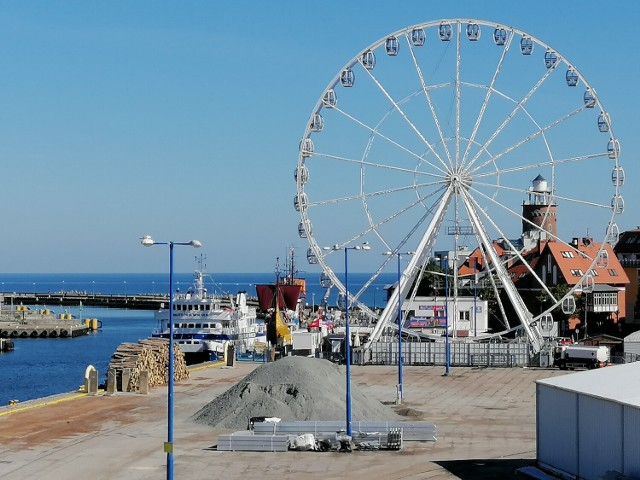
(152, 355)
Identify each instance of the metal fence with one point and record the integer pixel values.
(461, 354)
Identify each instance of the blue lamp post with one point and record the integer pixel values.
(447, 351)
(400, 325)
(147, 241)
(347, 333)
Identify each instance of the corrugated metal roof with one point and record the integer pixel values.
(619, 383)
(633, 337)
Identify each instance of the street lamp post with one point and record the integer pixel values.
(447, 351)
(347, 333)
(400, 325)
(147, 241)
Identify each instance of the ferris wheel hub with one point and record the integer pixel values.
(459, 179)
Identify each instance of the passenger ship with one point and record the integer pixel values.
(203, 325)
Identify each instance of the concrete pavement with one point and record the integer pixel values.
(485, 420)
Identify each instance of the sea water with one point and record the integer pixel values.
(40, 367)
(46, 366)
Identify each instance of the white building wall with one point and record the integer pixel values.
(587, 435)
(600, 436)
(428, 314)
(631, 427)
(557, 428)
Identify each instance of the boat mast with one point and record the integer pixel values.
(201, 265)
(290, 268)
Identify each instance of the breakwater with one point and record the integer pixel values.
(134, 302)
(126, 301)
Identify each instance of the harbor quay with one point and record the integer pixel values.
(485, 419)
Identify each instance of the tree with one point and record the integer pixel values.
(558, 291)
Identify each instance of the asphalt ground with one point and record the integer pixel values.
(485, 420)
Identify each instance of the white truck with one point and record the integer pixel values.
(580, 356)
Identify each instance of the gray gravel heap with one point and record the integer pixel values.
(293, 388)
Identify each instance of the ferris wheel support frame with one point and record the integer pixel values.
(524, 315)
(409, 274)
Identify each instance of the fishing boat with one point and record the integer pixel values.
(282, 302)
(205, 325)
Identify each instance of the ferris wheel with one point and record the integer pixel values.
(460, 135)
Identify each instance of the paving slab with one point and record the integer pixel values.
(485, 420)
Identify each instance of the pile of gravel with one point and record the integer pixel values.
(294, 388)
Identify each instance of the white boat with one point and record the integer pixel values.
(203, 324)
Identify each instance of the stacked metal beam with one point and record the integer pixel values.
(411, 431)
(247, 441)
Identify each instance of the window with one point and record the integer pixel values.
(464, 315)
(567, 254)
(613, 272)
(576, 272)
(593, 272)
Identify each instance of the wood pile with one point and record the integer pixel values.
(152, 355)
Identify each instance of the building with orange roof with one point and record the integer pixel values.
(568, 264)
(628, 254)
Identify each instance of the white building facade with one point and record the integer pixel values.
(468, 317)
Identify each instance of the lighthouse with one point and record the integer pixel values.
(539, 214)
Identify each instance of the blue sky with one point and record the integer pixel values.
(182, 119)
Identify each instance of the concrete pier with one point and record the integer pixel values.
(42, 330)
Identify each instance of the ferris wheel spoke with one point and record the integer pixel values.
(385, 166)
(580, 202)
(528, 138)
(513, 212)
(397, 107)
(485, 102)
(536, 166)
(513, 113)
(553, 196)
(420, 201)
(457, 162)
(559, 240)
(374, 226)
(427, 96)
(393, 142)
(519, 216)
(513, 250)
(428, 214)
(364, 196)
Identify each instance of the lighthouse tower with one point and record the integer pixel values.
(539, 213)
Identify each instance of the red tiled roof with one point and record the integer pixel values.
(613, 274)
